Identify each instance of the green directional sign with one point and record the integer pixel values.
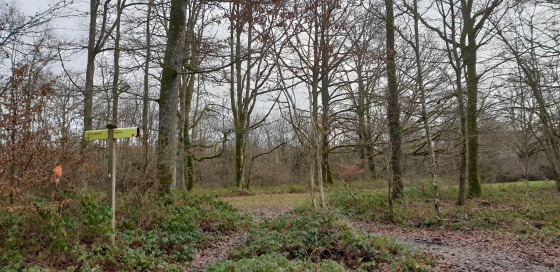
(103, 134)
(115, 133)
(129, 132)
(92, 135)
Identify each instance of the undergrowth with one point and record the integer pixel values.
(275, 262)
(312, 241)
(72, 232)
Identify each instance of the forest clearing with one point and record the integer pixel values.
(280, 135)
(512, 228)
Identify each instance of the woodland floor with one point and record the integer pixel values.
(496, 250)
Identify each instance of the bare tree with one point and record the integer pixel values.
(24, 123)
(365, 91)
(194, 54)
(96, 42)
(526, 40)
(14, 25)
(473, 16)
(420, 84)
(316, 47)
(115, 89)
(251, 41)
(146, 83)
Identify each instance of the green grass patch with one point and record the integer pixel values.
(531, 212)
(254, 190)
(272, 200)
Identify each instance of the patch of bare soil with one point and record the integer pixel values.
(217, 252)
(473, 250)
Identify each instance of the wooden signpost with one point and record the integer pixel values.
(110, 134)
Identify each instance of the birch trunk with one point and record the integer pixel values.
(425, 117)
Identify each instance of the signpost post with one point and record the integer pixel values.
(110, 134)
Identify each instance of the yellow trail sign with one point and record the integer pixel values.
(103, 134)
(129, 132)
(92, 135)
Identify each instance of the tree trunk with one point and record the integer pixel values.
(463, 152)
(319, 166)
(469, 56)
(425, 120)
(312, 175)
(325, 97)
(169, 96)
(315, 152)
(145, 97)
(239, 159)
(236, 94)
(190, 167)
(193, 52)
(116, 69)
(181, 115)
(90, 67)
(393, 107)
(455, 61)
(188, 157)
(469, 45)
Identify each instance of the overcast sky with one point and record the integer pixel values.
(66, 25)
(30, 7)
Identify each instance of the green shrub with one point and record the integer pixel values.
(95, 219)
(369, 205)
(317, 237)
(275, 262)
(55, 234)
(163, 234)
(11, 244)
(176, 231)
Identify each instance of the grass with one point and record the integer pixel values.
(279, 199)
(255, 190)
(504, 207)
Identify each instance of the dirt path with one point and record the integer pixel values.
(473, 250)
(217, 252)
(258, 208)
(453, 250)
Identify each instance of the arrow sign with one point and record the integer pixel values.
(103, 134)
(129, 132)
(92, 135)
